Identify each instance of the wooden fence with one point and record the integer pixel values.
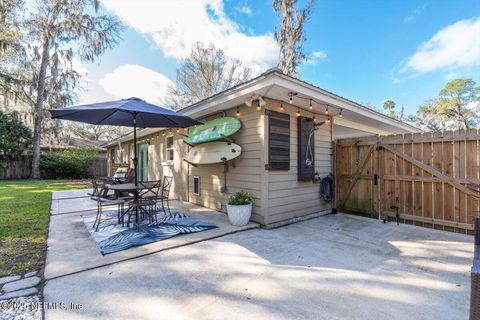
(20, 168)
(433, 178)
(17, 168)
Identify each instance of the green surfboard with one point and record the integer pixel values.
(213, 130)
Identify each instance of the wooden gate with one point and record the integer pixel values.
(433, 178)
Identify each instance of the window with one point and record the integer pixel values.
(169, 150)
(112, 155)
(196, 185)
(278, 141)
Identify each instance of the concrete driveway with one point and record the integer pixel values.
(332, 267)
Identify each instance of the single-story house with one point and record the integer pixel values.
(274, 110)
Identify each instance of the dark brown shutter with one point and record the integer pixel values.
(305, 171)
(278, 141)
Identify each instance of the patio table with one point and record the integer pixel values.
(131, 187)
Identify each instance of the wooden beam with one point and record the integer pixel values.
(467, 181)
(450, 180)
(190, 163)
(357, 175)
(434, 221)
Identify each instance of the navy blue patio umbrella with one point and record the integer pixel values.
(132, 112)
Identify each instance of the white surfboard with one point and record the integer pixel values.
(213, 152)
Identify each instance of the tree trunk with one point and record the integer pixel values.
(37, 129)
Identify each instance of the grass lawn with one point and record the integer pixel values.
(24, 211)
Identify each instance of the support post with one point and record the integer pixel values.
(475, 276)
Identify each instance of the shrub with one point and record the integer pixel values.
(14, 137)
(241, 198)
(73, 163)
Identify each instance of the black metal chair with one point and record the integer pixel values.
(164, 195)
(103, 202)
(146, 202)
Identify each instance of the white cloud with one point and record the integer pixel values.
(78, 66)
(415, 13)
(453, 47)
(316, 56)
(176, 25)
(133, 80)
(245, 10)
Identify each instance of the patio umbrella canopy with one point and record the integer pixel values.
(132, 112)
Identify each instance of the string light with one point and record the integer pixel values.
(291, 99)
(178, 130)
(328, 120)
(281, 106)
(326, 110)
(310, 104)
(238, 112)
(298, 112)
(314, 118)
(340, 115)
(170, 131)
(258, 107)
(163, 133)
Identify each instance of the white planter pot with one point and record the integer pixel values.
(239, 215)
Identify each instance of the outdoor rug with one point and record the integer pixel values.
(112, 237)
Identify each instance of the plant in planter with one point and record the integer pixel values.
(239, 208)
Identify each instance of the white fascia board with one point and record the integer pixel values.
(208, 106)
(356, 125)
(336, 101)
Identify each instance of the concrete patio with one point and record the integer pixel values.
(71, 249)
(332, 267)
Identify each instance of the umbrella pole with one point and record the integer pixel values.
(135, 147)
(135, 193)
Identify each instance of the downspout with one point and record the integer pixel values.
(188, 177)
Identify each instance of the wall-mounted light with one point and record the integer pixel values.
(310, 105)
(291, 94)
(326, 110)
(262, 103)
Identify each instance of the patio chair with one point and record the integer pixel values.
(102, 202)
(152, 193)
(146, 202)
(129, 176)
(102, 184)
(164, 195)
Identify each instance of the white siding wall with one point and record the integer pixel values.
(278, 196)
(287, 197)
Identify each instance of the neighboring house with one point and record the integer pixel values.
(54, 137)
(279, 196)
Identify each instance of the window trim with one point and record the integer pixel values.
(167, 149)
(193, 186)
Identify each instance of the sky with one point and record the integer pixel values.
(367, 51)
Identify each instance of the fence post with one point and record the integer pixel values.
(475, 277)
